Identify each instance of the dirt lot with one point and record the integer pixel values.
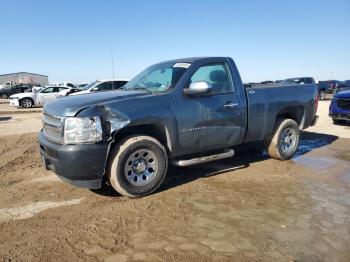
(248, 208)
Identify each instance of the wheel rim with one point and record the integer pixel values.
(322, 96)
(141, 167)
(288, 140)
(26, 103)
(4, 96)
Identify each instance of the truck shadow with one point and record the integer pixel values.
(246, 155)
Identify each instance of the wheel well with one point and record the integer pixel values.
(322, 89)
(156, 131)
(20, 101)
(295, 113)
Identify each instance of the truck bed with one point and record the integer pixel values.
(267, 102)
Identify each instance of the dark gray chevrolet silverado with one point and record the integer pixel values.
(184, 112)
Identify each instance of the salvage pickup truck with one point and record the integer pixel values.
(182, 112)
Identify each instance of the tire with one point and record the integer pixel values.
(322, 95)
(26, 102)
(285, 140)
(4, 96)
(338, 121)
(140, 156)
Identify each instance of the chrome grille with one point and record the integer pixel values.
(52, 127)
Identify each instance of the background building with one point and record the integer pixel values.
(24, 77)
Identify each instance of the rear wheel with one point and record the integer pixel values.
(137, 166)
(4, 96)
(285, 141)
(27, 103)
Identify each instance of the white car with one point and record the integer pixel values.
(102, 85)
(38, 98)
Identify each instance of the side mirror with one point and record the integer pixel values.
(198, 88)
(94, 89)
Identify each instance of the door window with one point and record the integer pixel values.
(217, 75)
(48, 90)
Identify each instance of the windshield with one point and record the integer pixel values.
(87, 87)
(158, 78)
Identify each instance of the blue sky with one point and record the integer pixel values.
(72, 40)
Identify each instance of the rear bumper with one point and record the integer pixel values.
(80, 165)
(340, 116)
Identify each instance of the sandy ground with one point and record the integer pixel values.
(248, 208)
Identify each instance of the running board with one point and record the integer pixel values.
(204, 159)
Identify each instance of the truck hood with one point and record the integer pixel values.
(71, 105)
(343, 94)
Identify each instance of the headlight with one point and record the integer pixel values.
(82, 130)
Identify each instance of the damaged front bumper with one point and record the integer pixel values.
(82, 165)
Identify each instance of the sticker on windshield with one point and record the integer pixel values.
(183, 65)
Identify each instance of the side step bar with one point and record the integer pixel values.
(204, 159)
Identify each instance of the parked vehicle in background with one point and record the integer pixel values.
(187, 111)
(327, 88)
(267, 82)
(343, 86)
(82, 85)
(339, 109)
(39, 98)
(68, 91)
(67, 84)
(6, 92)
(102, 86)
(298, 81)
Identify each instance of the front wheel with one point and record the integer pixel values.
(285, 141)
(26, 103)
(137, 166)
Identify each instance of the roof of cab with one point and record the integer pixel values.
(117, 79)
(192, 59)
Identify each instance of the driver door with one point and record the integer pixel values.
(47, 95)
(214, 120)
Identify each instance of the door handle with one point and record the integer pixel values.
(230, 105)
